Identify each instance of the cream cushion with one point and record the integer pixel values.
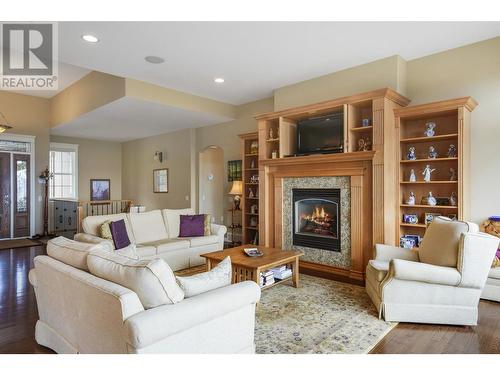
(494, 273)
(217, 277)
(202, 240)
(173, 220)
(148, 226)
(92, 224)
(71, 252)
(442, 239)
(164, 246)
(152, 280)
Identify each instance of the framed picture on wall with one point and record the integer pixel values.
(234, 170)
(100, 189)
(160, 180)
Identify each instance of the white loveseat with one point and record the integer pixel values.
(82, 313)
(156, 235)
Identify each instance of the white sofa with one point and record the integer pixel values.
(82, 313)
(491, 290)
(441, 283)
(156, 235)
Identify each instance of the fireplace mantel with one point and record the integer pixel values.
(358, 166)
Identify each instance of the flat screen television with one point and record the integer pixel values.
(323, 134)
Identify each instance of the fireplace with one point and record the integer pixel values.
(316, 214)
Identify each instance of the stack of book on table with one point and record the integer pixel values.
(266, 278)
(281, 272)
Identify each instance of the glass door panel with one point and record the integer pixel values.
(21, 196)
(5, 195)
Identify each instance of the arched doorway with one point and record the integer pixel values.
(211, 183)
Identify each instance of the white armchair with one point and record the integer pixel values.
(441, 283)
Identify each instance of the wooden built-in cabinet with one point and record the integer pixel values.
(452, 119)
(251, 193)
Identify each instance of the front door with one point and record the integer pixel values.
(21, 195)
(5, 195)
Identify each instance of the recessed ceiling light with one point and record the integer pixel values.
(154, 59)
(219, 80)
(90, 38)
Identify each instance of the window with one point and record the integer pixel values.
(64, 166)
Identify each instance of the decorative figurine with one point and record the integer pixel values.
(429, 129)
(431, 201)
(254, 179)
(368, 144)
(252, 164)
(361, 145)
(274, 154)
(411, 155)
(411, 199)
(365, 122)
(254, 147)
(271, 133)
(453, 199)
(250, 193)
(413, 178)
(452, 151)
(427, 173)
(432, 152)
(254, 208)
(453, 174)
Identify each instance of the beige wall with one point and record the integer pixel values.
(29, 115)
(388, 72)
(225, 136)
(211, 182)
(96, 159)
(138, 166)
(471, 70)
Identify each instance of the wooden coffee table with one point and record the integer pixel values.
(249, 268)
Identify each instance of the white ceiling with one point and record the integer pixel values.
(254, 57)
(127, 119)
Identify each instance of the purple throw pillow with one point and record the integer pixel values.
(119, 232)
(192, 226)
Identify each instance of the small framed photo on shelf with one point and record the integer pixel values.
(409, 241)
(160, 180)
(100, 189)
(443, 201)
(410, 218)
(429, 217)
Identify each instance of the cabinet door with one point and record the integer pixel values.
(58, 216)
(70, 216)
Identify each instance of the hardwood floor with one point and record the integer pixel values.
(18, 315)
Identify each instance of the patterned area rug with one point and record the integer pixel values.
(322, 316)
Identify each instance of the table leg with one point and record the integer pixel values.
(295, 273)
(209, 264)
(256, 276)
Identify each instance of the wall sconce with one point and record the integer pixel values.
(158, 156)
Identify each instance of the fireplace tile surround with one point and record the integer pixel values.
(340, 259)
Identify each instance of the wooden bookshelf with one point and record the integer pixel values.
(250, 233)
(452, 119)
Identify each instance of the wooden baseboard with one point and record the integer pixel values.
(332, 273)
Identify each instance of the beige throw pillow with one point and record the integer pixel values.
(152, 280)
(208, 220)
(217, 277)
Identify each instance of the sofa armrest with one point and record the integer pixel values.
(156, 324)
(387, 253)
(218, 230)
(423, 272)
(90, 238)
(475, 254)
